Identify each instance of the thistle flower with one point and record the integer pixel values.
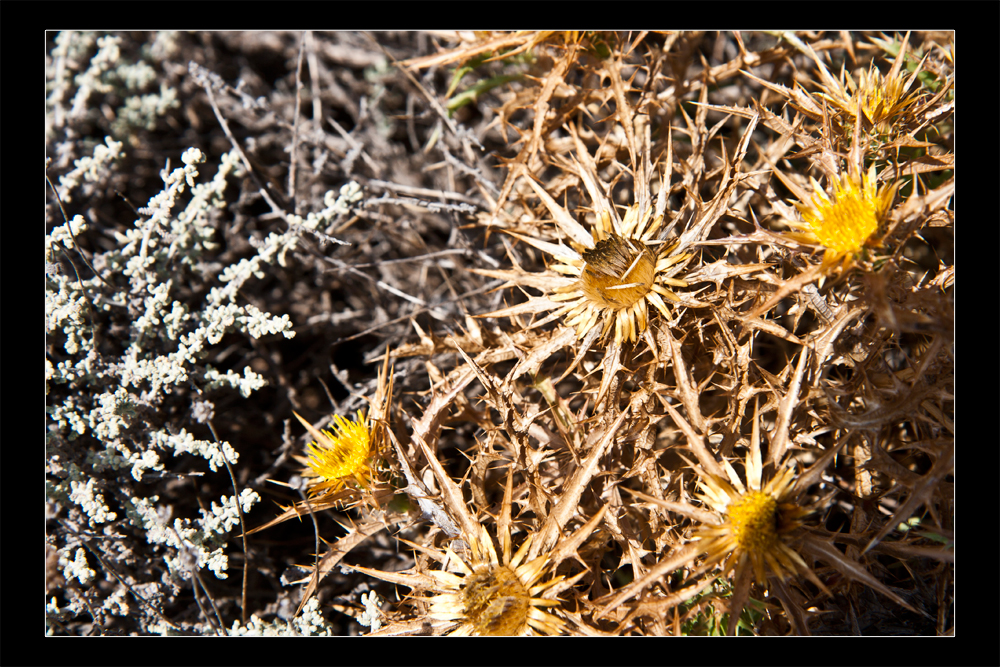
(615, 272)
(845, 222)
(756, 524)
(343, 459)
(618, 277)
(760, 527)
(477, 592)
(482, 594)
(338, 455)
(754, 529)
(881, 99)
(341, 464)
(493, 597)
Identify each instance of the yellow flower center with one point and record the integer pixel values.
(345, 451)
(496, 602)
(618, 272)
(844, 224)
(754, 521)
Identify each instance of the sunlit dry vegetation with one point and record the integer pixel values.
(605, 333)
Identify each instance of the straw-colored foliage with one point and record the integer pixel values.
(669, 260)
(667, 349)
(657, 291)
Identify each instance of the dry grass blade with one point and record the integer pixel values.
(356, 535)
(569, 501)
(921, 493)
(854, 570)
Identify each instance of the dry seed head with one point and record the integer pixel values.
(882, 99)
(610, 274)
(496, 602)
(619, 277)
(618, 272)
(494, 598)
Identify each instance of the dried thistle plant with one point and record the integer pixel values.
(674, 355)
(619, 267)
(599, 284)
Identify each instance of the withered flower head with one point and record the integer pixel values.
(494, 598)
(477, 592)
(619, 271)
(619, 276)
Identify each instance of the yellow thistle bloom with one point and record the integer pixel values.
(477, 592)
(754, 528)
(881, 98)
(845, 222)
(343, 458)
(494, 598)
(339, 454)
(346, 452)
(482, 595)
(756, 525)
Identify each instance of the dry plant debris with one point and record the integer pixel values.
(646, 334)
